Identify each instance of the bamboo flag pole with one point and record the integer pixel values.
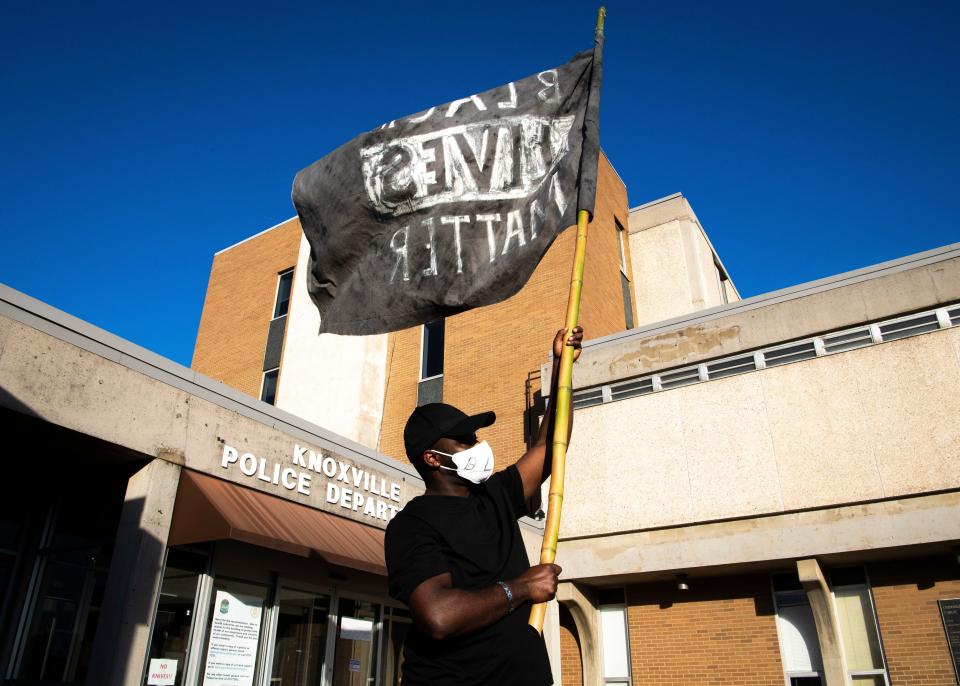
(561, 424)
(561, 404)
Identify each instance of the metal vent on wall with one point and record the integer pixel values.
(681, 377)
(901, 328)
(796, 351)
(629, 389)
(954, 315)
(731, 366)
(849, 340)
(591, 396)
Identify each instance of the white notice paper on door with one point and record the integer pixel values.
(234, 636)
(162, 672)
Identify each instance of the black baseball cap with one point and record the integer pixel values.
(429, 423)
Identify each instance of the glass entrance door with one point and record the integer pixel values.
(301, 638)
(355, 657)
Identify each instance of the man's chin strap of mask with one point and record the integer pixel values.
(475, 464)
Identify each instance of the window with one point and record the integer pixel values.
(721, 281)
(614, 640)
(858, 627)
(430, 388)
(624, 279)
(621, 237)
(70, 571)
(284, 286)
(275, 335)
(431, 361)
(268, 389)
(170, 639)
(799, 645)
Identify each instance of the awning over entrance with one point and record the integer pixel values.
(209, 509)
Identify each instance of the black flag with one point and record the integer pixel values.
(451, 208)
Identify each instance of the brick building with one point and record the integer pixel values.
(765, 491)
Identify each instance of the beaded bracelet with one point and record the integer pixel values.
(506, 589)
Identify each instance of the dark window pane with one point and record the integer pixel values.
(432, 362)
(284, 285)
(430, 391)
(274, 350)
(805, 681)
(627, 301)
(269, 392)
(59, 628)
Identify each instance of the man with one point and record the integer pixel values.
(455, 556)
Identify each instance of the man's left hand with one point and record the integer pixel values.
(574, 340)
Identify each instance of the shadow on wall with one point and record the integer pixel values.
(11, 402)
(925, 572)
(135, 572)
(723, 590)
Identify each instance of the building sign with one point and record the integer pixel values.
(234, 636)
(162, 672)
(352, 488)
(950, 613)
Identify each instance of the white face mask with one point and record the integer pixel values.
(473, 464)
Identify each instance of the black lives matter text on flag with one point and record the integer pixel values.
(450, 208)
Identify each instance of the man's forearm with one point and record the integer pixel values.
(456, 612)
(546, 426)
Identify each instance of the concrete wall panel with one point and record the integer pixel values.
(823, 448)
(614, 476)
(659, 273)
(335, 381)
(865, 424)
(729, 450)
(65, 385)
(910, 390)
(728, 544)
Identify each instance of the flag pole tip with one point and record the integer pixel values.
(601, 15)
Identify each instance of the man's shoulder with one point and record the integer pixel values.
(410, 517)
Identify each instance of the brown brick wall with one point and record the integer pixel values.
(489, 352)
(239, 304)
(721, 631)
(905, 594)
(571, 665)
(403, 371)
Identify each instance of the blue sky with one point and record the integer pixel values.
(136, 139)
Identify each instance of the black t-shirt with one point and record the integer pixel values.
(477, 539)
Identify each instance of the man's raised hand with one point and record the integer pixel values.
(574, 340)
